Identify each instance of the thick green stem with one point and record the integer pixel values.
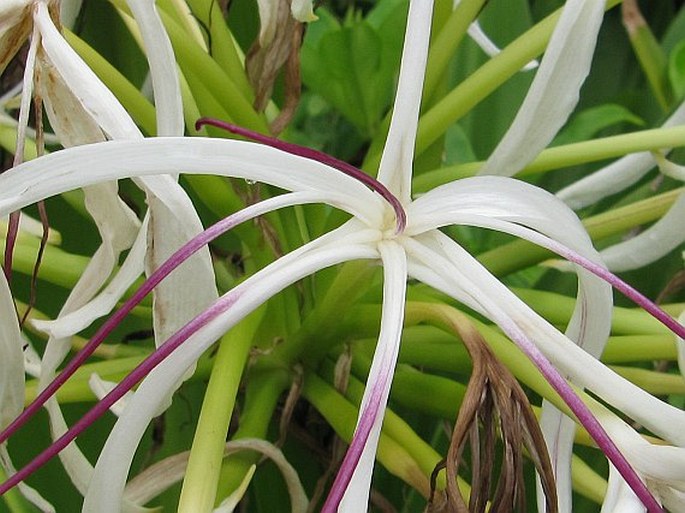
(198, 493)
(263, 391)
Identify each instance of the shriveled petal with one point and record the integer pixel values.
(15, 27)
(616, 176)
(106, 488)
(398, 155)
(554, 92)
(350, 491)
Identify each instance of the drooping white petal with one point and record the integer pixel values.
(441, 263)
(554, 92)
(504, 204)
(104, 302)
(680, 347)
(616, 176)
(372, 408)
(351, 241)
(398, 155)
(80, 166)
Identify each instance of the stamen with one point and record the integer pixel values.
(319, 156)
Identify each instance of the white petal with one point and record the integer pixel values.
(303, 10)
(619, 497)
(491, 49)
(398, 155)
(76, 167)
(680, 346)
(554, 92)
(12, 363)
(160, 57)
(449, 268)
(101, 388)
(106, 487)
(616, 176)
(375, 399)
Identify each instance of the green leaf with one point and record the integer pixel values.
(676, 69)
(353, 66)
(590, 122)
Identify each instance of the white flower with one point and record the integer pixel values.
(377, 232)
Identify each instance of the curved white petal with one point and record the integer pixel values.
(372, 408)
(441, 263)
(619, 497)
(349, 242)
(76, 167)
(398, 155)
(554, 92)
(616, 176)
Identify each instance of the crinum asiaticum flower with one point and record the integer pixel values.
(82, 111)
(389, 227)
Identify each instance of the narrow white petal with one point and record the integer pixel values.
(619, 497)
(79, 319)
(76, 167)
(655, 242)
(554, 92)
(396, 163)
(101, 388)
(160, 57)
(616, 176)
(82, 81)
(12, 363)
(106, 487)
(356, 497)
(491, 49)
(303, 10)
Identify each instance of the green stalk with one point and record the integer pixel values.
(140, 109)
(656, 383)
(650, 55)
(394, 456)
(263, 391)
(447, 41)
(198, 493)
(568, 155)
